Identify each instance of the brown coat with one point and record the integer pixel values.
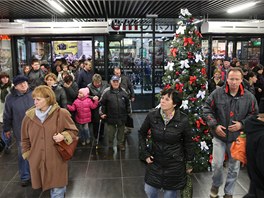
(47, 168)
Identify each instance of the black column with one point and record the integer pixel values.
(153, 61)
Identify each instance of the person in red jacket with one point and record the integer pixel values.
(83, 105)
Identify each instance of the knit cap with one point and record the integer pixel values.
(84, 91)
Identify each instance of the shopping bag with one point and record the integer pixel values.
(238, 149)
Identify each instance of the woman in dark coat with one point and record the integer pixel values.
(171, 146)
(254, 129)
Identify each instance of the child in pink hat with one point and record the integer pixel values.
(83, 105)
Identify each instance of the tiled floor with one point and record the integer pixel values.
(101, 174)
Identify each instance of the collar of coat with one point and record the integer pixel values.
(177, 115)
(31, 112)
(240, 92)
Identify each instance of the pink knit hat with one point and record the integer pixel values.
(85, 91)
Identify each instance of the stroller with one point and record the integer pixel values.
(6, 143)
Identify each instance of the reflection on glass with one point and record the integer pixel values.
(5, 57)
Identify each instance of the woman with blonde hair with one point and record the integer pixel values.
(43, 125)
(51, 81)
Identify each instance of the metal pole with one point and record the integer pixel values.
(153, 61)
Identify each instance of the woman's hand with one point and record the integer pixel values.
(188, 171)
(58, 137)
(150, 159)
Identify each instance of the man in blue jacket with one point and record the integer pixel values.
(17, 103)
(226, 110)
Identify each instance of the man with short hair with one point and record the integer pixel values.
(17, 103)
(226, 110)
(36, 75)
(85, 75)
(115, 107)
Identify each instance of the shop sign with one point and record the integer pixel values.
(4, 37)
(135, 25)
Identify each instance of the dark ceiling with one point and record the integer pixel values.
(83, 9)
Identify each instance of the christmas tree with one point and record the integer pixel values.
(186, 73)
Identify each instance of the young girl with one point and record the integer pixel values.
(83, 105)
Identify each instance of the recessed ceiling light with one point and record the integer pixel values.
(241, 7)
(56, 6)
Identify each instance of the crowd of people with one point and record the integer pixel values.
(35, 102)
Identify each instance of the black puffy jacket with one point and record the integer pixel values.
(115, 104)
(172, 147)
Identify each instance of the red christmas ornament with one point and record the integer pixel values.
(177, 73)
(210, 159)
(203, 86)
(206, 132)
(190, 55)
(193, 99)
(203, 71)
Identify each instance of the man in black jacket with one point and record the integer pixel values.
(114, 109)
(225, 111)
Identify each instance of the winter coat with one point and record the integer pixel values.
(84, 78)
(115, 104)
(254, 130)
(221, 108)
(71, 92)
(47, 168)
(60, 95)
(35, 78)
(212, 85)
(4, 91)
(83, 107)
(16, 106)
(94, 91)
(172, 146)
(127, 85)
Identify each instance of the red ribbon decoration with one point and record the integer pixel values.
(188, 41)
(199, 122)
(178, 87)
(167, 86)
(192, 79)
(173, 52)
(198, 33)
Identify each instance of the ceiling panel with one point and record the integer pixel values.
(83, 9)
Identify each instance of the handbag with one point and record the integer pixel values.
(65, 150)
(238, 148)
(129, 122)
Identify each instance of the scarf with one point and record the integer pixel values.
(165, 118)
(42, 115)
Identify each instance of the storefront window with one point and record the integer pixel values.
(5, 56)
(21, 52)
(99, 45)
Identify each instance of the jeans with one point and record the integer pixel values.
(23, 165)
(84, 131)
(153, 192)
(58, 192)
(219, 149)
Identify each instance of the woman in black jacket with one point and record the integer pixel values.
(171, 147)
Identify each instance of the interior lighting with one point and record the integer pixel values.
(241, 7)
(56, 6)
